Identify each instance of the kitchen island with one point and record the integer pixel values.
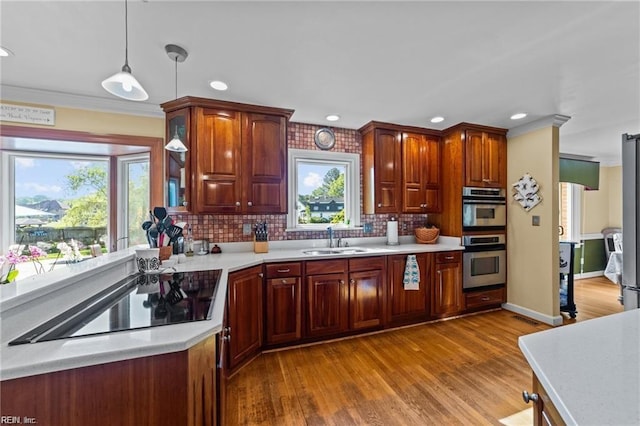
(145, 367)
(589, 371)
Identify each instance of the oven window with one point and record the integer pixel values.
(485, 213)
(484, 266)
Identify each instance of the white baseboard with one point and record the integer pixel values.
(551, 320)
(591, 274)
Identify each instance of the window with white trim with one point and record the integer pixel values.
(324, 190)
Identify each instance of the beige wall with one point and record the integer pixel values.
(603, 208)
(99, 122)
(532, 251)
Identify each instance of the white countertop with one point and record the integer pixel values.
(591, 369)
(25, 305)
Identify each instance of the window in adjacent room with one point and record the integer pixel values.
(570, 211)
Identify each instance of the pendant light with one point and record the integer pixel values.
(123, 84)
(176, 54)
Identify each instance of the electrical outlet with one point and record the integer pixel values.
(404, 226)
(246, 229)
(368, 228)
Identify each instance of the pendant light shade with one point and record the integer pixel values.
(176, 54)
(175, 144)
(123, 84)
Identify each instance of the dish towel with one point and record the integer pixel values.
(411, 278)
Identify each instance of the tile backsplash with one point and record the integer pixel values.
(222, 228)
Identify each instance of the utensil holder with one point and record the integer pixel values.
(260, 246)
(165, 252)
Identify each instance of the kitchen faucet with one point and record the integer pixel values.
(330, 231)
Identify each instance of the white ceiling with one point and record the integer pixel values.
(400, 62)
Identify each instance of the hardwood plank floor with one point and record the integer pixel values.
(466, 371)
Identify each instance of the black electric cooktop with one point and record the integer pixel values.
(136, 302)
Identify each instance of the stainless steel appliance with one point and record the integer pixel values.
(483, 208)
(484, 261)
(630, 217)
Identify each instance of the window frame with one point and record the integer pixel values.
(574, 215)
(350, 161)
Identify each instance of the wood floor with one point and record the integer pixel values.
(466, 371)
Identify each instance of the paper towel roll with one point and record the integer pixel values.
(392, 233)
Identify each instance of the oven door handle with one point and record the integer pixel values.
(485, 202)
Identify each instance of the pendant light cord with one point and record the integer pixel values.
(176, 77)
(126, 35)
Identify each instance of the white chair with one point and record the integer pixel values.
(609, 241)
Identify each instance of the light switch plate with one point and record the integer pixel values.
(535, 220)
(368, 228)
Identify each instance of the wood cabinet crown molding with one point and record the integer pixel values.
(193, 101)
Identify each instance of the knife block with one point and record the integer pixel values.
(260, 246)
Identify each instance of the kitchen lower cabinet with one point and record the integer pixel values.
(283, 306)
(407, 306)
(544, 411)
(327, 298)
(243, 328)
(177, 388)
(366, 292)
(447, 297)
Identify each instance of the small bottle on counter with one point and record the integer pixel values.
(216, 249)
(188, 249)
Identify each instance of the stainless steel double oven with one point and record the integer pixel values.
(484, 226)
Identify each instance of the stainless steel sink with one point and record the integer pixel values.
(346, 250)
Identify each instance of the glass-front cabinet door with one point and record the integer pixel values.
(177, 163)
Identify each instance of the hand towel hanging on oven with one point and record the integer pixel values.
(411, 278)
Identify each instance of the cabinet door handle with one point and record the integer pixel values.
(485, 298)
(284, 281)
(237, 203)
(487, 181)
(283, 271)
(529, 397)
(250, 204)
(449, 258)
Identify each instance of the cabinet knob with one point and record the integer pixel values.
(185, 204)
(352, 282)
(250, 204)
(341, 281)
(529, 397)
(226, 338)
(226, 330)
(261, 275)
(237, 203)
(379, 204)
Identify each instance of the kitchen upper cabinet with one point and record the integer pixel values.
(366, 292)
(420, 173)
(284, 303)
(447, 297)
(381, 157)
(327, 297)
(237, 154)
(486, 159)
(243, 329)
(407, 306)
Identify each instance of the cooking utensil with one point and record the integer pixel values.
(160, 213)
(173, 232)
(153, 235)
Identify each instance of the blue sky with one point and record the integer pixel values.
(310, 177)
(45, 176)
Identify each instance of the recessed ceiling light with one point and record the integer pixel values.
(332, 117)
(218, 85)
(437, 119)
(5, 52)
(518, 116)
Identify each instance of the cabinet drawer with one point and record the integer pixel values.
(448, 257)
(366, 263)
(316, 267)
(483, 298)
(276, 270)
